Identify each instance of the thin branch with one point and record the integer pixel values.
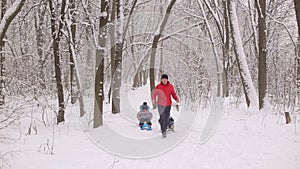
(283, 24)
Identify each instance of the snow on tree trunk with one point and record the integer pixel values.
(226, 50)
(99, 79)
(72, 66)
(249, 90)
(71, 32)
(56, 36)
(253, 26)
(113, 46)
(262, 65)
(117, 73)
(6, 18)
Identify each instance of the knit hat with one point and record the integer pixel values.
(144, 107)
(164, 76)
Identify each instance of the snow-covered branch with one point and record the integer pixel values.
(9, 16)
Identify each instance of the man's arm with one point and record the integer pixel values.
(154, 94)
(174, 95)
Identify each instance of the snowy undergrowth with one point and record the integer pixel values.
(242, 140)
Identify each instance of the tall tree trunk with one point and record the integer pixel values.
(56, 35)
(297, 9)
(144, 76)
(155, 43)
(226, 50)
(222, 84)
(75, 70)
(137, 81)
(2, 58)
(72, 66)
(249, 90)
(217, 60)
(38, 24)
(262, 33)
(161, 15)
(117, 74)
(6, 18)
(253, 26)
(112, 32)
(99, 79)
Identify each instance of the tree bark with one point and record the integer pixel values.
(56, 35)
(99, 79)
(117, 74)
(72, 66)
(72, 44)
(262, 68)
(226, 50)
(249, 90)
(2, 59)
(287, 117)
(113, 46)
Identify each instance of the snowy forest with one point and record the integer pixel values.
(73, 74)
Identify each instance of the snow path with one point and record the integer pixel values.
(240, 141)
(237, 143)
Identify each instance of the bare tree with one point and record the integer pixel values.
(56, 30)
(217, 59)
(2, 58)
(117, 62)
(72, 8)
(249, 90)
(7, 15)
(39, 20)
(99, 79)
(223, 33)
(155, 43)
(71, 29)
(117, 74)
(226, 50)
(113, 46)
(297, 9)
(262, 68)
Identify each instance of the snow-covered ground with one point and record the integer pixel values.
(241, 140)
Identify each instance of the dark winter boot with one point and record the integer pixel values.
(164, 134)
(141, 125)
(171, 123)
(149, 124)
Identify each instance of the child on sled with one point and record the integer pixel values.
(144, 116)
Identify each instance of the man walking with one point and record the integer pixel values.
(161, 97)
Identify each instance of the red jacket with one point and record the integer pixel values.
(164, 93)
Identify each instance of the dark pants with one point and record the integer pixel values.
(164, 113)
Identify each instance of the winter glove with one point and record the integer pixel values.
(177, 106)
